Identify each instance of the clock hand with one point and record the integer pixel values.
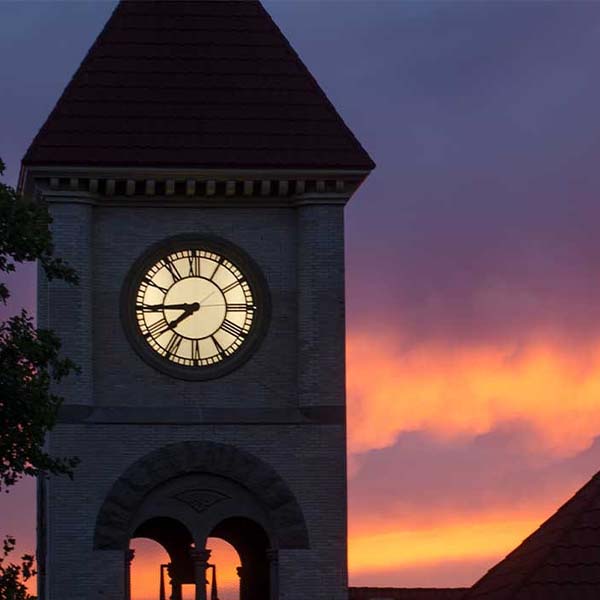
(206, 297)
(240, 305)
(192, 308)
(159, 307)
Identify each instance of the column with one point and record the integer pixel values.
(200, 560)
(176, 591)
(162, 592)
(273, 559)
(240, 574)
(129, 554)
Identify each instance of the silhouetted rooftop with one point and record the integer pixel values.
(202, 83)
(559, 561)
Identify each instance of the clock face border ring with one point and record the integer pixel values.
(241, 260)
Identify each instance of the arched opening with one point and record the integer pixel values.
(238, 563)
(227, 561)
(142, 477)
(209, 491)
(145, 568)
(257, 573)
(171, 570)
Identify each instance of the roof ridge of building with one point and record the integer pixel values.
(595, 479)
(517, 585)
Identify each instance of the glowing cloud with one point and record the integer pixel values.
(457, 391)
(399, 546)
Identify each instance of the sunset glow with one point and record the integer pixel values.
(472, 266)
(393, 390)
(145, 574)
(508, 416)
(398, 546)
(467, 391)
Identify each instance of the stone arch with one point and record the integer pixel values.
(112, 530)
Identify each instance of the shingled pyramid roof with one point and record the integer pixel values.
(202, 83)
(561, 560)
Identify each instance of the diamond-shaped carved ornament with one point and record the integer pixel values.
(201, 500)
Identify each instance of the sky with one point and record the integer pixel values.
(473, 259)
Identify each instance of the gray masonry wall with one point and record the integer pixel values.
(134, 409)
(65, 308)
(307, 457)
(321, 302)
(121, 235)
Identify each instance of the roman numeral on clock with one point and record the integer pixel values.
(173, 344)
(151, 282)
(216, 268)
(240, 307)
(229, 287)
(170, 266)
(196, 351)
(148, 308)
(220, 348)
(157, 329)
(232, 329)
(194, 260)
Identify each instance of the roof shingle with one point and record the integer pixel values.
(194, 83)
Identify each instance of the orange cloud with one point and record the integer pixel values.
(398, 546)
(456, 391)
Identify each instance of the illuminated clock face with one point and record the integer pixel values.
(194, 307)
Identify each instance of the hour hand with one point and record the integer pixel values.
(190, 310)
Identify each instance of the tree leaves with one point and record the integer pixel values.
(29, 363)
(13, 577)
(25, 236)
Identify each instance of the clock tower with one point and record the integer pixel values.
(197, 177)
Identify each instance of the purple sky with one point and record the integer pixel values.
(478, 231)
(480, 116)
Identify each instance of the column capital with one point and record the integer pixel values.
(129, 555)
(200, 558)
(272, 555)
(200, 555)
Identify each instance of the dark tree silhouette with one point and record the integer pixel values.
(13, 577)
(30, 362)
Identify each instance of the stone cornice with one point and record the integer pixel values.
(184, 187)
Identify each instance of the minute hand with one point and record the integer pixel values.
(159, 307)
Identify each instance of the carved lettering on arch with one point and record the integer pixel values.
(201, 500)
